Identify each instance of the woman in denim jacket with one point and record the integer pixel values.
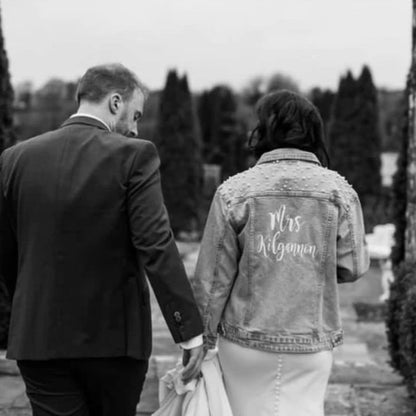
(279, 238)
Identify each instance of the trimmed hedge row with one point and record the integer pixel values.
(401, 324)
(401, 306)
(407, 339)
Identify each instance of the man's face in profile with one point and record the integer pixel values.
(131, 114)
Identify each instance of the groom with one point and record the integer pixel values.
(82, 220)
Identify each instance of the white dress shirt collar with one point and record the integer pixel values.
(91, 116)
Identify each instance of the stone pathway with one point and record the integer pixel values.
(362, 383)
(13, 401)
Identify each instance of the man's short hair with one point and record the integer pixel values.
(101, 80)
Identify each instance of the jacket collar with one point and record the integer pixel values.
(288, 154)
(86, 120)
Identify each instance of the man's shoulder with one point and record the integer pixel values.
(131, 146)
(21, 146)
(129, 142)
(113, 143)
(112, 138)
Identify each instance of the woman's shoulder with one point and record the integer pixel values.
(262, 178)
(339, 186)
(239, 185)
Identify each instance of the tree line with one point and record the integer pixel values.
(195, 132)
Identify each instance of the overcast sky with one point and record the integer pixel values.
(214, 41)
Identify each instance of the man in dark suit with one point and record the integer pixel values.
(81, 220)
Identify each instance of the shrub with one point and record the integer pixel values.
(370, 312)
(407, 340)
(405, 279)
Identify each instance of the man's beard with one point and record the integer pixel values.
(121, 127)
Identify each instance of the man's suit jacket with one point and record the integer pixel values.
(81, 220)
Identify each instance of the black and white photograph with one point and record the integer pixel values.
(208, 208)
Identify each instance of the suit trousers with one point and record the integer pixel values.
(84, 386)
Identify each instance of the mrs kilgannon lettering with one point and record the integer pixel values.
(274, 245)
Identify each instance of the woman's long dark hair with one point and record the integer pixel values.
(286, 119)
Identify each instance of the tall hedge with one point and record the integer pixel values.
(399, 188)
(407, 336)
(403, 273)
(401, 305)
(397, 328)
(401, 318)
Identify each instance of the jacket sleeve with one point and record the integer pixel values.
(352, 254)
(8, 243)
(153, 239)
(216, 268)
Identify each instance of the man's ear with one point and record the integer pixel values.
(114, 103)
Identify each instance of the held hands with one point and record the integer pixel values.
(192, 360)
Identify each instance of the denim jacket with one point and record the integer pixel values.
(278, 239)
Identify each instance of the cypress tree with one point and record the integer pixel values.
(355, 142)
(342, 134)
(7, 138)
(375, 200)
(223, 141)
(323, 100)
(368, 137)
(253, 91)
(180, 153)
(259, 86)
(280, 81)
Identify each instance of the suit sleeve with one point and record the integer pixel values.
(153, 239)
(8, 243)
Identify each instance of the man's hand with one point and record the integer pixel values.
(192, 360)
